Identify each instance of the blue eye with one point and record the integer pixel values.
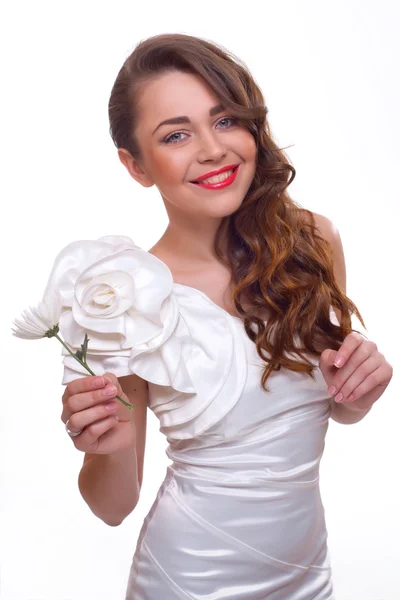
(231, 119)
(171, 139)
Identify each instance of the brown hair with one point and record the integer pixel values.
(276, 257)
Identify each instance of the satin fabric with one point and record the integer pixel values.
(239, 514)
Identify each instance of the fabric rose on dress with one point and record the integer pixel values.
(117, 293)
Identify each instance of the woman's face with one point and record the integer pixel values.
(205, 139)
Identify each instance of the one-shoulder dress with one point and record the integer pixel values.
(239, 514)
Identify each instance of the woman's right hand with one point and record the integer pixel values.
(106, 429)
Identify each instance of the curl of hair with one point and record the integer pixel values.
(277, 259)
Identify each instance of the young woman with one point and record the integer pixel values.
(232, 330)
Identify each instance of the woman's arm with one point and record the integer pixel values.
(110, 483)
(340, 413)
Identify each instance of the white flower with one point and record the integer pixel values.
(38, 322)
(117, 293)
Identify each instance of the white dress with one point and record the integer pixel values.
(239, 514)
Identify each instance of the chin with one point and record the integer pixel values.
(221, 208)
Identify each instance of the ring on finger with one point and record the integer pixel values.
(70, 432)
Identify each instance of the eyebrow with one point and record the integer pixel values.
(179, 120)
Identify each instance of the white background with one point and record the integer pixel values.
(329, 72)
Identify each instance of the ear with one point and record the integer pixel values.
(134, 168)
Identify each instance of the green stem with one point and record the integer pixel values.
(86, 366)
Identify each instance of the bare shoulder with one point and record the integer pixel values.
(330, 233)
(326, 227)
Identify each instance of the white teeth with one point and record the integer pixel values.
(217, 178)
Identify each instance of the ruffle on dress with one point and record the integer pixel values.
(139, 321)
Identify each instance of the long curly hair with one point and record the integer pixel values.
(275, 255)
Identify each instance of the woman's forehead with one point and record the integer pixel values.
(176, 94)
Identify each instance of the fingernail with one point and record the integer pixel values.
(339, 397)
(111, 405)
(339, 361)
(332, 390)
(98, 382)
(111, 390)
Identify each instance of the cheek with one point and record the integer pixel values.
(168, 166)
(249, 147)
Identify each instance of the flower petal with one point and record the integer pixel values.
(36, 321)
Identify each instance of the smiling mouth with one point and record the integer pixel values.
(217, 178)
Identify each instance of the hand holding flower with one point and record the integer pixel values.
(89, 407)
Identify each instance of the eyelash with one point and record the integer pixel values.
(168, 138)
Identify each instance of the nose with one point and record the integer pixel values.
(211, 147)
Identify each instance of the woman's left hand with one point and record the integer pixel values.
(362, 376)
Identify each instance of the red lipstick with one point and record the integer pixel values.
(222, 184)
(212, 173)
